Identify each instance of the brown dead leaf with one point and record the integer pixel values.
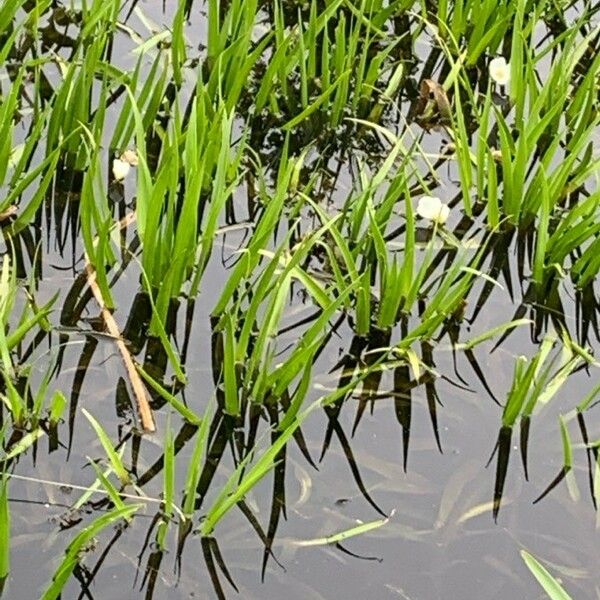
(432, 107)
(5, 215)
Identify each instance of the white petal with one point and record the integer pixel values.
(498, 62)
(429, 207)
(499, 70)
(433, 209)
(131, 157)
(443, 214)
(120, 168)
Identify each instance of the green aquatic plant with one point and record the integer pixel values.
(4, 531)
(535, 382)
(25, 406)
(77, 546)
(550, 584)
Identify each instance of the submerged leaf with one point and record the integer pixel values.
(343, 535)
(545, 579)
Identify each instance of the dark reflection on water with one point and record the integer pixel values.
(418, 447)
(415, 448)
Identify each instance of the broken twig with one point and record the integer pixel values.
(139, 390)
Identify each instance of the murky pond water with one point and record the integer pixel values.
(427, 453)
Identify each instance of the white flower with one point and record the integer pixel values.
(120, 168)
(131, 157)
(433, 209)
(500, 70)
